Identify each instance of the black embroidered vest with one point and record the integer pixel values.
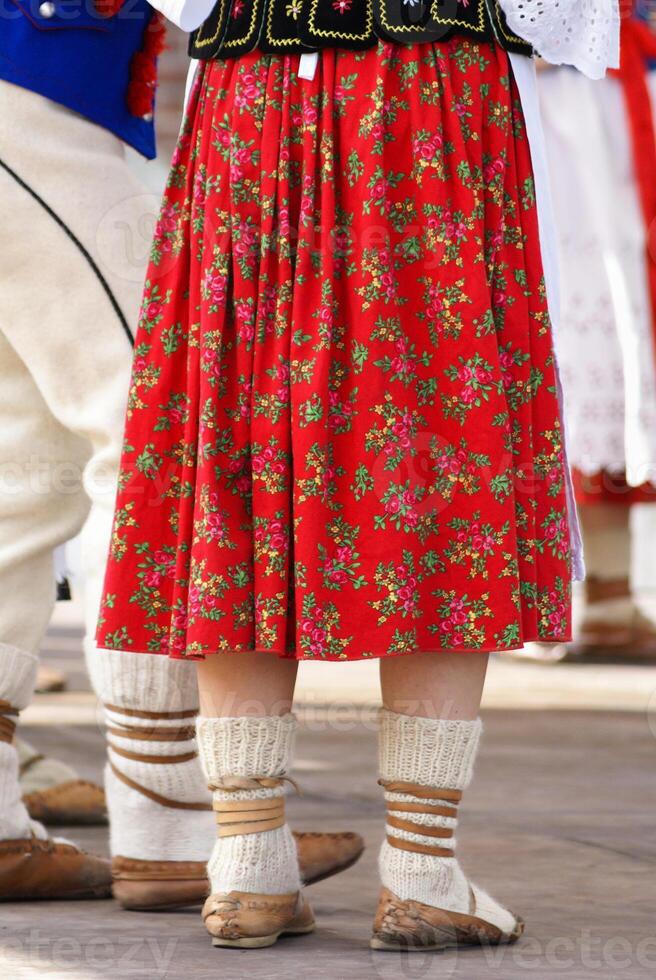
(297, 26)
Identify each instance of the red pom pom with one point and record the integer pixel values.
(143, 69)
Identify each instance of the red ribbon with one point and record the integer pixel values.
(638, 45)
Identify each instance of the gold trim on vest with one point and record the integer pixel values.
(297, 26)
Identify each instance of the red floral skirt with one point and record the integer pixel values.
(343, 436)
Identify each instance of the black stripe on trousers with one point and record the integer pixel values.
(78, 244)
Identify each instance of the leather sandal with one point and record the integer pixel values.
(410, 925)
(416, 927)
(32, 869)
(75, 803)
(248, 921)
(169, 885)
(141, 885)
(243, 919)
(54, 794)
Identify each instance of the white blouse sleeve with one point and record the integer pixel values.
(581, 33)
(187, 14)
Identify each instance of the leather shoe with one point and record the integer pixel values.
(166, 885)
(32, 869)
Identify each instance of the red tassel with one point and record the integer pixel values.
(143, 69)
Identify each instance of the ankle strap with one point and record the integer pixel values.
(177, 733)
(428, 794)
(154, 715)
(249, 816)
(7, 726)
(422, 792)
(153, 734)
(235, 784)
(410, 845)
(140, 733)
(155, 760)
(155, 797)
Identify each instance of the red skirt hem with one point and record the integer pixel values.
(383, 655)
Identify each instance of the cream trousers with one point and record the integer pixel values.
(65, 348)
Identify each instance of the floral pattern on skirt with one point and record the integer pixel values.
(343, 434)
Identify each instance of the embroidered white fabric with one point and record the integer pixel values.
(581, 33)
(604, 342)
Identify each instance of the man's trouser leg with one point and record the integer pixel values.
(64, 317)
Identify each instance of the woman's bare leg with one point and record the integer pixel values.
(434, 685)
(236, 685)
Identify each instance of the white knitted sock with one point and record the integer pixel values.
(265, 863)
(142, 828)
(17, 679)
(438, 754)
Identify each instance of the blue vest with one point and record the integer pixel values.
(65, 50)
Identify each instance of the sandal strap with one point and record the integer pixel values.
(236, 784)
(153, 715)
(141, 733)
(421, 792)
(417, 848)
(155, 797)
(422, 802)
(429, 808)
(156, 760)
(32, 761)
(418, 828)
(154, 734)
(7, 725)
(249, 816)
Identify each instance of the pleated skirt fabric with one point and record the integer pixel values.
(343, 436)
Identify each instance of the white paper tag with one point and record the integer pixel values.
(308, 65)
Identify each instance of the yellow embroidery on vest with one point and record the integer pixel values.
(509, 36)
(294, 9)
(200, 41)
(340, 35)
(457, 22)
(245, 38)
